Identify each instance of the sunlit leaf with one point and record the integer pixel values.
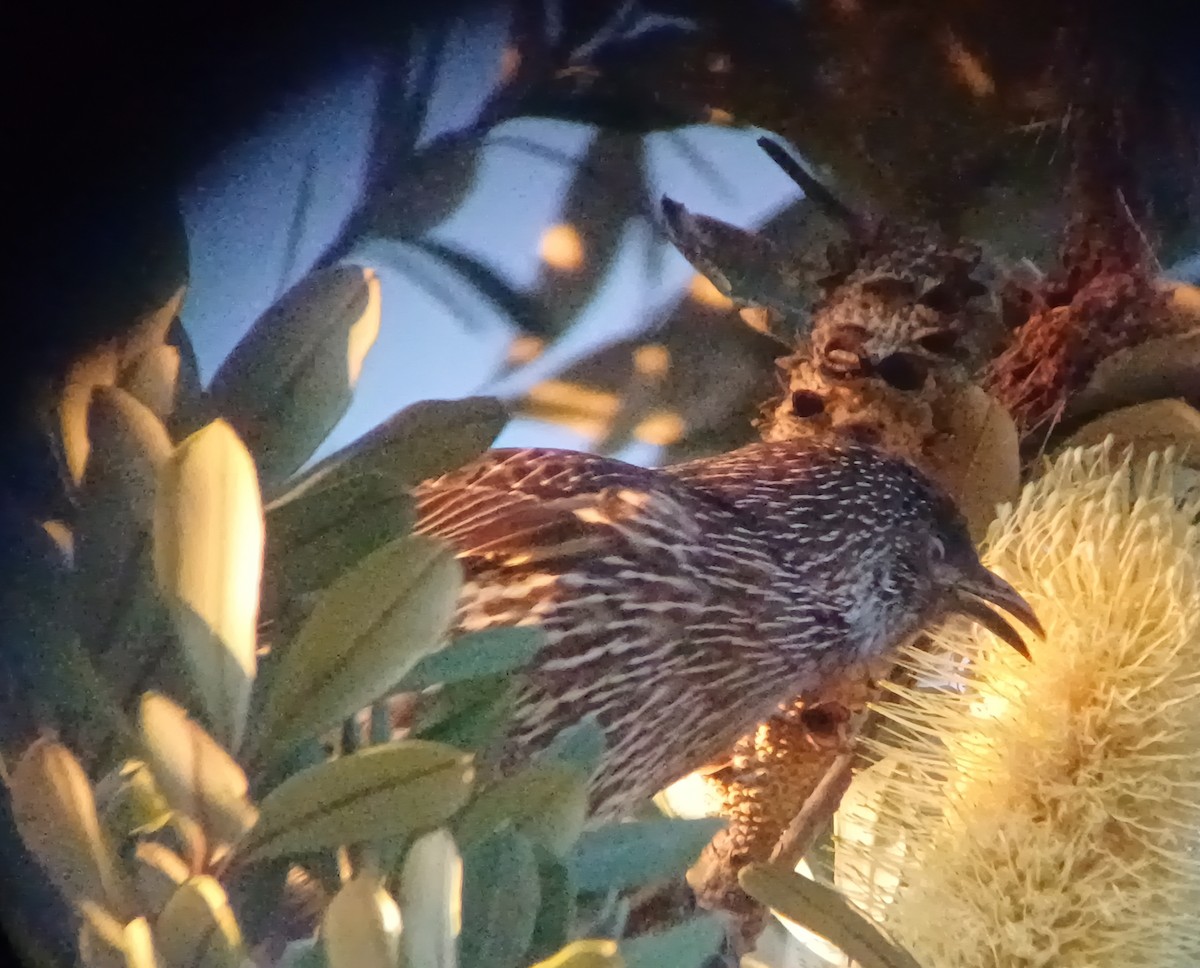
(825, 912)
(208, 549)
(431, 898)
(139, 945)
(476, 655)
(633, 854)
(361, 927)
(366, 631)
(195, 775)
(375, 794)
(501, 895)
(98, 368)
(197, 928)
(588, 954)
(290, 379)
(55, 814)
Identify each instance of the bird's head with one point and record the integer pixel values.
(888, 550)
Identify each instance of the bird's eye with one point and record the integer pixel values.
(807, 404)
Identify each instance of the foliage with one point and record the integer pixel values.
(220, 783)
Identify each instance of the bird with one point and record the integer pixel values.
(682, 604)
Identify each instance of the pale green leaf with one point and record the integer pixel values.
(194, 774)
(378, 793)
(825, 912)
(431, 898)
(361, 926)
(366, 631)
(208, 550)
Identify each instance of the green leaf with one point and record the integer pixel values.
(626, 855)
(208, 550)
(581, 745)
(424, 188)
(556, 916)
(687, 945)
(591, 953)
(474, 656)
(431, 898)
(55, 813)
(197, 928)
(366, 631)
(825, 912)
(501, 896)
(291, 378)
(315, 536)
(194, 774)
(419, 442)
(469, 715)
(523, 310)
(376, 794)
(361, 926)
(546, 801)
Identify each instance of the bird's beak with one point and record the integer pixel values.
(972, 596)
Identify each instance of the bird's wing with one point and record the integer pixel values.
(522, 507)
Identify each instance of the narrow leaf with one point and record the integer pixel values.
(825, 912)
(556, 920)
(361, 926)
(366, 631)
(139, 945)
(501, 895)
(381, 792)
(208, 550)
(431, 898)
(196, 776)
(475, 655)
(626, 855)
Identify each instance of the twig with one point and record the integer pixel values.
(821, 196)
(821, 804)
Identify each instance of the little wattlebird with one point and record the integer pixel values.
(681, 605)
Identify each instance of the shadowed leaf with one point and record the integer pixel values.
(687, 945)
(633, 854)
(197, 928)
(474, 656)
(501, 895)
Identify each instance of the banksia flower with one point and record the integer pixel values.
(1048, 813)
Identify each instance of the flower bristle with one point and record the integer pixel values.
(1046, 814)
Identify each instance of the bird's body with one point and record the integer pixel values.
(682, 604)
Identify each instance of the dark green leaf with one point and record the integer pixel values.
(581, 745)
(634, 854)
(687, 945)
(525, 312)
(556, 918)
(476, 655)
(546, 801)
(501, 897)
(468, 715)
